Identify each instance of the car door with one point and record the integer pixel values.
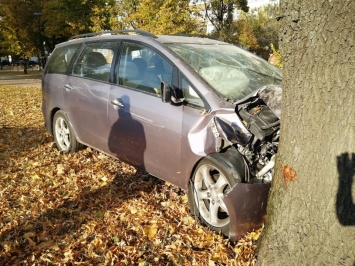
(86, 93)
(144, 131)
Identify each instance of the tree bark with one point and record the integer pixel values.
(311, 208)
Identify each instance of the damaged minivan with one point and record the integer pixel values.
(196, 112)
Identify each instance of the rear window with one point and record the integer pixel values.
(61, 58)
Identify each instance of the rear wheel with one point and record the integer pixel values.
(211, 181)
(63, 134)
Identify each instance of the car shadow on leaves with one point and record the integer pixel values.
(345, 205)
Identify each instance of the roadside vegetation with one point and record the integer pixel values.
(33, 28)
(87, 208)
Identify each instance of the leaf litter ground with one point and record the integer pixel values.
(86, 208)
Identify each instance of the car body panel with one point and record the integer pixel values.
(145, 132)
(85, 102)
(52, 96)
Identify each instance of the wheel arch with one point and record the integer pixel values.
(229, 156)
(76, 144)
(53, 112)
(230, 162)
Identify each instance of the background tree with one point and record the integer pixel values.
(105, 17)
(221, 14)
(21, 28)
(311, 209)
(26, 24)
(65, 18)
(258, 29)
(162, 16)
(275, 58)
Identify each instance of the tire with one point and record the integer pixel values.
(213, 177)
(64, 135)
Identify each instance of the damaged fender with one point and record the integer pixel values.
(220, 131)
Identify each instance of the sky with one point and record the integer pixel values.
(259, 3)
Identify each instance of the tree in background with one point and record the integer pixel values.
(311, 208)
(27, 24)
(105, 17)
(32, 26)
(275, 58)
(65, 18)
(258, 29)
(17, 18)
(221, 14)
(21, 28)
(162, 16)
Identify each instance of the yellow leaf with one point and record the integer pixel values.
(199, 231)
(133, 210)
(184, 198)
(237, 251)
(35, 177)
(60, 169)
(254, 236)
(151, 230)
(215, 257)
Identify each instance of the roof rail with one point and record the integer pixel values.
(194, 35)
(113, 32)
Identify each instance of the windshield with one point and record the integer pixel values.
(231, 71)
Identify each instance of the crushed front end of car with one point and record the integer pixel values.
(256, 137)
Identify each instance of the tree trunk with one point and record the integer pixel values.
(311, 209)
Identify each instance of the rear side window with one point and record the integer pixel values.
(61, 58)
(95, 61)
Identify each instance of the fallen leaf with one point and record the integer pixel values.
(151, 230)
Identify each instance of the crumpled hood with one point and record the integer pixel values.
(270, 94)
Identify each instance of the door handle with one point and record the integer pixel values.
(116, 102)
(68, 87)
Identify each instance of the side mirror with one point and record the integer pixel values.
(165, 92)
(171, 94)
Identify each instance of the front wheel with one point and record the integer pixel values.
(211, 181)
(63, 134)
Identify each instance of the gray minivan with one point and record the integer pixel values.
(196, 112)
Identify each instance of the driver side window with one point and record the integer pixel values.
(142, 68)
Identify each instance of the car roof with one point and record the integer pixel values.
(192, 39)
(141, 35)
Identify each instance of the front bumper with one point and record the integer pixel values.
(246, 204)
